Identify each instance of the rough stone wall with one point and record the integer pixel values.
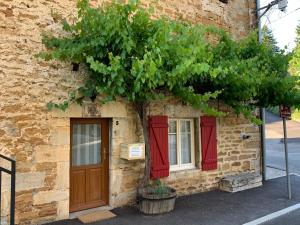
(39, 139)
(234, 154)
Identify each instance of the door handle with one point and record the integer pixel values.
(104, 152)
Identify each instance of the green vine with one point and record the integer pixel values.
(132, 56)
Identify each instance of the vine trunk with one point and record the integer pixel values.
(141, 109)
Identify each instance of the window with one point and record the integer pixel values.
(181, 144)
(86, 144)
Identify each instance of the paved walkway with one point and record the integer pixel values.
(274, 128)
(275, 148)
(213, 208)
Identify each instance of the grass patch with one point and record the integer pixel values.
(296, 115)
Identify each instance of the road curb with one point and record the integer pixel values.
(291, 140)
(273, 215)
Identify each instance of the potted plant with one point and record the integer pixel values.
(157, 198)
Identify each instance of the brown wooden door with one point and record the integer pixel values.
(89, 163)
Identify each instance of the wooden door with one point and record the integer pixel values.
(89, 163)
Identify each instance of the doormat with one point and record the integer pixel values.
(96, 216)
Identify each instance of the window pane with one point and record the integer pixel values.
(185, 126)
(172, 127)
(185, 138)
(86, 144)
(172, 143)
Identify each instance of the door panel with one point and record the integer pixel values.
(78, 187)
(94, 183)
(89, 164)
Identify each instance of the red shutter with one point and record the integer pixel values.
(209, 143)
(158, 134)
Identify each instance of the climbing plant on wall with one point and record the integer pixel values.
(129, 55)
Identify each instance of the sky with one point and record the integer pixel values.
(283, 24)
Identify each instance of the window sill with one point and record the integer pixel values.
(183, 168)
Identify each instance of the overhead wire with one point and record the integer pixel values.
(274, 21)
(269, 22)
(268, 18)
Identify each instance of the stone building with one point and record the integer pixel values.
(50, 147)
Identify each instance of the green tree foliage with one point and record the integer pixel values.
(132, 56)
(251, 75)
(295, 68)
(269, 39)
(295, 62)
(129, 55)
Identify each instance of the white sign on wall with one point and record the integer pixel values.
(136, 151)
(133, 151)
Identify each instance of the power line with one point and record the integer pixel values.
(268, 18)
(270, 5)
(286, 15)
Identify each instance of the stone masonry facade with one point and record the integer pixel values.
(39, 139)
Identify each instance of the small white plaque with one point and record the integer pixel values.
(136, 151)
(132, 151)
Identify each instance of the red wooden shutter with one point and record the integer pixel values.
(209, 143)
(158, 137)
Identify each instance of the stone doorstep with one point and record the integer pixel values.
(240, 182)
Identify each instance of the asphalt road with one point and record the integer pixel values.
(212, 208)
(276, 158)
(292, 218)
(275, 148)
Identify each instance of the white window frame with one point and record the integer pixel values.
(180, 166)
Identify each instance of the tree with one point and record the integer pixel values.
(129, 55)
(269, 39)
(294, 68)
(295, 62)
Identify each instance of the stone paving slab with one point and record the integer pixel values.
(213, 208)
